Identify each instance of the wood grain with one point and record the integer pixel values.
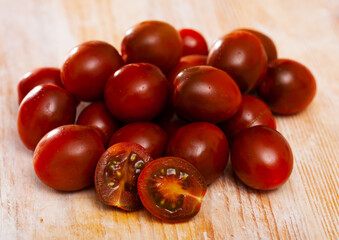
(36, 33)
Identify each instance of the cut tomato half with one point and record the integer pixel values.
(171, 189)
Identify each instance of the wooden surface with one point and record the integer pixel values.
(40, 33)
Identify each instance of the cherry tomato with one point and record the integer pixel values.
(202, 144)
(152, 42)
(66, 157)
(170, 121)
(37, 77)
(87, 68)
(44, 108)
(267, 42)
(136, 92)
(242, 56)
(205, 93)
(171, 189)
(193, 42)
(252, 112)
(288, 88)
(261, 157)
(149, 135)
(185, 62)
(98, 116)
(117, 173)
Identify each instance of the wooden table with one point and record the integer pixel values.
(40, 33)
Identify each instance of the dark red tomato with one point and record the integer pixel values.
(205, 93)
(37, 77)
(44, 108)
(202, 144)
(98, 116)
(170, 121)
(171, 189)
(136, 92)
(152, 42)
(252, 112)
(185, 62)
(242, 56)
(147, 134)
(117, 173)
(267, 42)
(66, 157)
(288, 88)
(261, 157)
(193, 42)
(87, 68)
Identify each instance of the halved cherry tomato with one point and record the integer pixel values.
(117, 173)
(171, 189)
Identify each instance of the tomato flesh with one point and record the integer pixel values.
(171, 189)
(117, 173)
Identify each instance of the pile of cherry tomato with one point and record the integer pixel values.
(164, 117)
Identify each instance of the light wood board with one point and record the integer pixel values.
(40, 33)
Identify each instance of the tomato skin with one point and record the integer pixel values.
(185, 184)
(193, 42)
(261, 158)
(267, 42)
(288, 88)
(136, 92)
(66, 157)
(242, 56)
(87, 68)
(252, 112)
(98, 116)
(185, 62)
(205, 93)
(37, 77)
(44, 108)
(202, 144)
(117, 172)
(169, 121)
(153, 42)
(147, 134)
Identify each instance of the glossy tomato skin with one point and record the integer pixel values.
(288, 88)
(87, 68)
(267, 42)
(37, 77)
(117, 172)
(44, 108)
(66, 157)
(193, 42)
(136, 92)
(171, 189)
(148, 135)
(242, 56)
(261, 158)
(153, 42)
(205, 93)
(98, 116)
(252, 112)
(202, 144)
(185, 62)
